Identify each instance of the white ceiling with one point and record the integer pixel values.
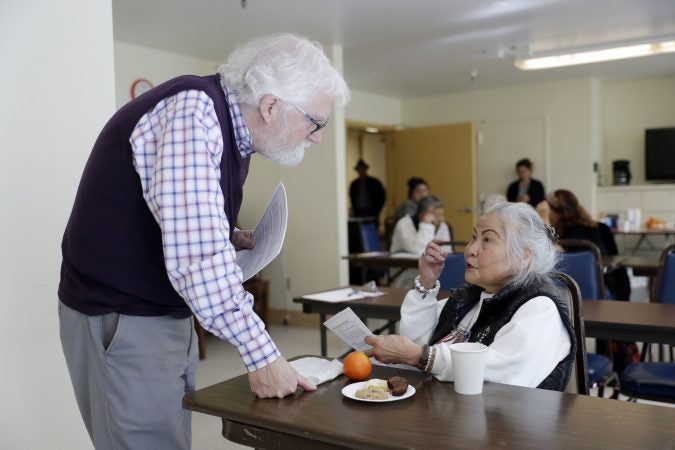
(412, 48)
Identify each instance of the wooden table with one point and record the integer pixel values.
(381, 260)
(630, 321)
(607, 319)
(385, 307)
(643, 233)
(642, 265)
(387, 260)
(435, 417)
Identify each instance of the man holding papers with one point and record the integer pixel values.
(151, 237)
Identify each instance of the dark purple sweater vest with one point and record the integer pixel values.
(112, 247)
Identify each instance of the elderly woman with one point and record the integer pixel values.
(510, 305)
(412, 233)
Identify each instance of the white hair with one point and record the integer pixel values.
(285, 65)
(525, 233)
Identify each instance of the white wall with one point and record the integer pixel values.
(59, 91)
(374, 109)
(566, 106)
(134, 61)
(629, 108)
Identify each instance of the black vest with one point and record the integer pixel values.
(112, 247)
(497, 312)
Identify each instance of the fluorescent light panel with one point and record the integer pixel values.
(593, 56)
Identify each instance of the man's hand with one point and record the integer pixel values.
(277, 379)
(243, 240)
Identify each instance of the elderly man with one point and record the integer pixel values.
(151, 237)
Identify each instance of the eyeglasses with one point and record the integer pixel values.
(317, 123)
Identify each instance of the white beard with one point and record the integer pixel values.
(275, 149)
(285, 157)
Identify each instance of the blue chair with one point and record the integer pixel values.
(583, 262)
(453, 272)
(370, 241)
(650, 380)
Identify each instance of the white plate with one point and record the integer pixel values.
(350, 392)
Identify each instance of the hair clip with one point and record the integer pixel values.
(552, 235)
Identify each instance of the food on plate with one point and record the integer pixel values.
(374, 389)
(397, 385)
(357, 366)
(377, 389)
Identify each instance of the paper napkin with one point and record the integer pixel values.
(318, 370)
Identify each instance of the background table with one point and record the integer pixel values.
(643, 234)
(435, 417)
(606, 319)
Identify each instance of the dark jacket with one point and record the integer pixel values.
(535, 191)
(374, 197)
(497, 312)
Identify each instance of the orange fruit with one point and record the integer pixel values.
(357, 366)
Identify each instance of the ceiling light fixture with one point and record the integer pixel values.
(597, 55)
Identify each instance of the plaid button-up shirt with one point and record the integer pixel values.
(177, 148)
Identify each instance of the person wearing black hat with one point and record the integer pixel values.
(366, 193)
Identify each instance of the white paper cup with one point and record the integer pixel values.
(468, 366)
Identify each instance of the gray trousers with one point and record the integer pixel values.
(130, 374)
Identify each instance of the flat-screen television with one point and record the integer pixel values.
(660, 154)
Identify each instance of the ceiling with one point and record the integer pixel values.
(414, 48)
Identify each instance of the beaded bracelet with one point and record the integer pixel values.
(424, 357)
(430, 361)
(422, 290)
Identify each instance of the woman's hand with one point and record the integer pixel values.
(431, 264)
(394, 349)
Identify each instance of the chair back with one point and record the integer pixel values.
(568, 292)
(370, 241)
(664, 287)
(453, 272)
(583, 262)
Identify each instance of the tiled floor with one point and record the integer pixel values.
(223, 362)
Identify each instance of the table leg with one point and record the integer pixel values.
(639, 242)
(322, 332)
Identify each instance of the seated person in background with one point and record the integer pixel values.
(525, 188)
(571, 221)
(412, 233)
(417, 190)
(510, 305)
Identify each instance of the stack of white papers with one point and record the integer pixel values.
(341, 295)
(268, 234)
